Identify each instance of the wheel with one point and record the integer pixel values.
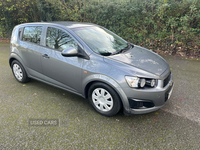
(19, 72)
(104, 99)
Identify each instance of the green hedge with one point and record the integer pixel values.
(150, 23)
(165, 24)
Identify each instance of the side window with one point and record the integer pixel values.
(58, 39)
(32, 34)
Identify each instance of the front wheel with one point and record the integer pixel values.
(19, 72)
(104, 99)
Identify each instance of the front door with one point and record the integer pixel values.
(62, 71)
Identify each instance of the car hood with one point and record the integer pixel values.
(144, 59)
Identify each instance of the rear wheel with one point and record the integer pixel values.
(19, 72)
(104, 99)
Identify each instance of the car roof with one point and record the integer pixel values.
(68, 24)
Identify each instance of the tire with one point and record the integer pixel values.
(104, 99)
(19, 72)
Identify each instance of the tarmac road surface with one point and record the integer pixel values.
(175, 126)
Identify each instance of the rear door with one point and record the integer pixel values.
(59, 70)
(31, 49)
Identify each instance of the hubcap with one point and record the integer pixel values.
(17, 72)
(102, 99)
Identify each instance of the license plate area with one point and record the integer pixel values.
(169, 92)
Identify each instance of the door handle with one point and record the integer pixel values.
(45, 56)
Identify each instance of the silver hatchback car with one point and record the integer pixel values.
(93, 62)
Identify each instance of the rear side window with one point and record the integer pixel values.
(32, 34)
(58, 39)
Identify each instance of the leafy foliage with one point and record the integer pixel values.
(13, 12)
(168, 24)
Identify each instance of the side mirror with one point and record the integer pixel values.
(70, 52)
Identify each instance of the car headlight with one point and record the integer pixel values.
(132, 81)
(140, 82)
(151, 82)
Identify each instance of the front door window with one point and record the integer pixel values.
(58, 39)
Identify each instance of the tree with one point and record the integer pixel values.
(13, 12)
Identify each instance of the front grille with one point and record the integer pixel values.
(166, 81)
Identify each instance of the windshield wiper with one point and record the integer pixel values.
(129, 46)
(105, 54)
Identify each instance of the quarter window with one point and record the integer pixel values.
(58, 39)
(32, 34)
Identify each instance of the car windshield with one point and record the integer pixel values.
(100, 40)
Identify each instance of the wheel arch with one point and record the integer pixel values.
(11, 60)
(14, 56)
(110, 82)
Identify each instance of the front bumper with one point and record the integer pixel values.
(147, 100)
